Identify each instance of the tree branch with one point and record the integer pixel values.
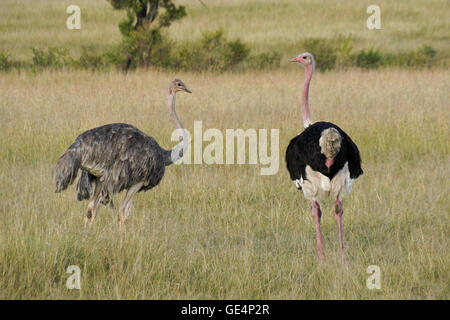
(153, 12)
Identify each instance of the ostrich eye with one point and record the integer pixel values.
(304, 57)
(178, 84)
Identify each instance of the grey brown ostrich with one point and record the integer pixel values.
(321, 160)
(117, 157)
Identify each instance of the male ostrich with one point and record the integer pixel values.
(117, 157)
(322, 159)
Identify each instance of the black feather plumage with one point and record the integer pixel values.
(305, 150)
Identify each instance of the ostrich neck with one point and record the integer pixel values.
(171, 104)
(306, 114)
(180, 149)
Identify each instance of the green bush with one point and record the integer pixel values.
(143, 44)
(344, 56)
(425, 56)
(89, 60)
(5, 63)
(337, 53)
(323, 50)
(369, 59)
(429, 55)
(213, 52)
(264, 60)
(52, 58)
(218, 54)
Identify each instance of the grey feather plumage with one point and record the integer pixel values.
(114, 157)
(119, 155)
(85, 186)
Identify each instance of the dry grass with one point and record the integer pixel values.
(264, 24)
(225, 231)
(282, 24)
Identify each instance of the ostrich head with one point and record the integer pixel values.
(177, 85)
(305, 58)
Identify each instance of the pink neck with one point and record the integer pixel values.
(329, 162)
(305, 101)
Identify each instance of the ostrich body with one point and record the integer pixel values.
(321, 160)
(117, 157)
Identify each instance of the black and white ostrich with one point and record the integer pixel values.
(117, 157)
(322, 160)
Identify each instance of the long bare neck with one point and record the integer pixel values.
(180, 149)
(306, 114)
(171, 105)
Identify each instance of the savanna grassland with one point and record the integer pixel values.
(225, 231)
(263, 24)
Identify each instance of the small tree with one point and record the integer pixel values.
(141, 30)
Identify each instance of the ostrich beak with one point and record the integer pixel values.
(296, 59)
(187, 90)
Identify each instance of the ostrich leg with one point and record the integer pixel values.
(317, 215)
(92, 206)
(338, 212)
(125, 207)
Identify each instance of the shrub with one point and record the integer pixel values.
(324, 52)
(426, 55)
(234, 53)
(52, 58)
(344, 48)
(369, 59)
(213, 52)
(264, 60)
(219, 54)
(5, 63)
(89, 60)
(422, 57)
(142, 41)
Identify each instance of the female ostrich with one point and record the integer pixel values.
(115, 157)
(322, 159)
